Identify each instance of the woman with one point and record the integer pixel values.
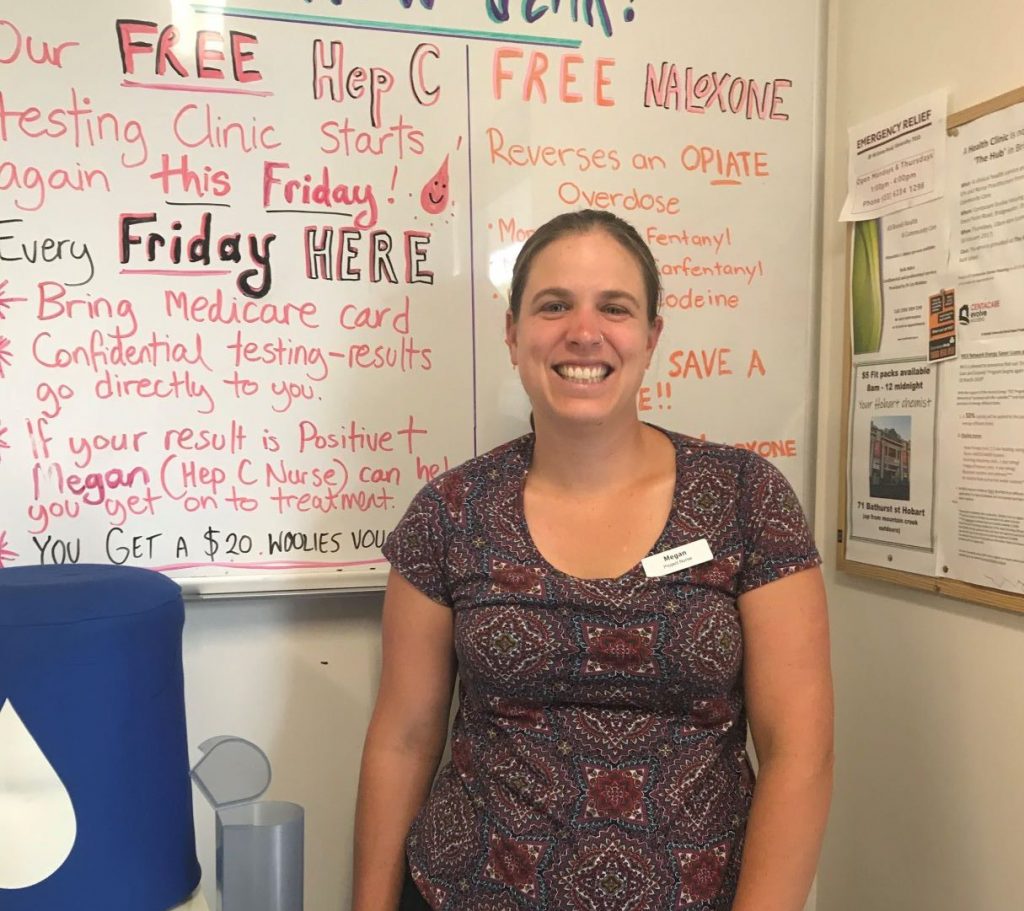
(619, 601)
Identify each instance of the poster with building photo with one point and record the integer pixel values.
(891, 464)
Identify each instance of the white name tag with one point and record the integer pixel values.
(672, 561)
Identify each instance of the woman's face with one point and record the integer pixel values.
(583, 341)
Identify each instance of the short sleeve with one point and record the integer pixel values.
(418, 546)
(777, 540)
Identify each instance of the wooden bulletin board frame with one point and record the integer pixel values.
(953, 588)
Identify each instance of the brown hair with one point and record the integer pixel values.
(583, 222)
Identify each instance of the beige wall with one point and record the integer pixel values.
(297, 677)
(928, 812)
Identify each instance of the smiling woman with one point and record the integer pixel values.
(616, 599)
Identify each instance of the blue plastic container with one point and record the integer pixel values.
(90, 659)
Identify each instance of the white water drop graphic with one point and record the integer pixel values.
(37, 820)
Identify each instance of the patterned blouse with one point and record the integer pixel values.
(599, 751)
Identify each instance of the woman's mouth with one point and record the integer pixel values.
(593, 373)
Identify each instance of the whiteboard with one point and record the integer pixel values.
(254, 259)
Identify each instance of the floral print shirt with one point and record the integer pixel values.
(598, 757)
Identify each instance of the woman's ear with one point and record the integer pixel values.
(510, 336)
(654, 333)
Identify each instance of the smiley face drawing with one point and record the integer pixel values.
(434, 195)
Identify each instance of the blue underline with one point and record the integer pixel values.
(406, 28)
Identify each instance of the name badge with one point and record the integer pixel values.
(679, 558)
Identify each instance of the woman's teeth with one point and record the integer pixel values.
(582, 374)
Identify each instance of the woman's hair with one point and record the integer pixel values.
(583, 222)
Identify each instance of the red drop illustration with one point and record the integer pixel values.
(434, 196)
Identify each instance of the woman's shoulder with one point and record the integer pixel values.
(689, 447)
(744, 466)
(510, 459)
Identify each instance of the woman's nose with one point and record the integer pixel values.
(585, 327)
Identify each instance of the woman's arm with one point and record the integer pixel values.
(789, 703)
(404, 741)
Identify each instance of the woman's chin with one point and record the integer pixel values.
(582, 412)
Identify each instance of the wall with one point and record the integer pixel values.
(297, 677)
(928, 806)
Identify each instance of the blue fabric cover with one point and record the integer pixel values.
(90, 657)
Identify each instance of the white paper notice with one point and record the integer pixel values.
(981, 524)
(988, 229)
(897, 159)
(899, 266)
(891, 520)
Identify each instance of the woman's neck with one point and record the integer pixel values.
(593, 457)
